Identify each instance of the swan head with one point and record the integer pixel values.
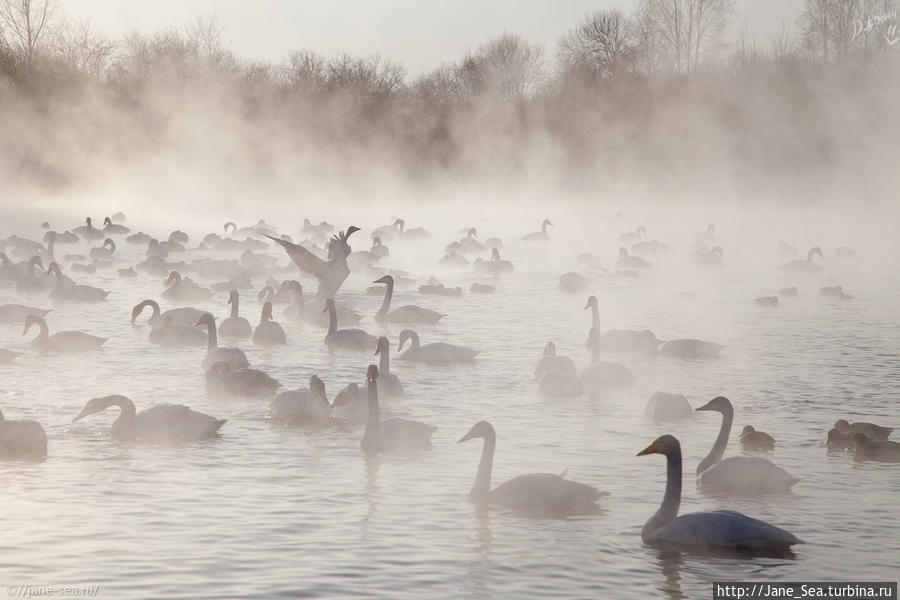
(642, 231)
(816, 250)
(841, 425)
(96, 405)
(718, 250)
(206, 319)
(718, 404)
(37, 262)
(376, 241)
(623, 252)
(232, 296)
(267, 292)
(550, 349)
(174, 276)
(107, 221)
(371, 374)
(406, 334)
(383, 345)
(267, 312)
(31, 320)
(546, 222)
(591, 301)
(495, 254)
(87, 220)
(481, 429)
(388, 279)
(351, 230)
(664, 444)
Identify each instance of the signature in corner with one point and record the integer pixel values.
(888, 18)
(891, 36)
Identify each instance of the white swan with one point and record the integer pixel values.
(720, 528)
(28, 282)
(690, 348)
(345, 339)
(409, 314)
(185, 290)
(804, 266)
(164, 423)
(435, 352)
(303, 407)
(185, 316)
(539, 236)
(495, 266)
(110, 228)
(233, 356)
(235, 327)
(664, 406)
(737, 474)
(602, 373)
(105, 251)
(628, 261)
(390, 383)
(560, 385)
(620, 340)
(534, 494)
(550, 362)
(75, 292)
(172, 334)
(22, 439)
(268, 332)
(88, 231)
(222, 380)
(64, 341)
(394, 434)
(16, 313)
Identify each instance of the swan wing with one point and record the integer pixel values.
(748, 474)
(173, 423)
(546, 493)
(726, 528)
(303, 258)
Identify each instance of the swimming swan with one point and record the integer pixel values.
(22, 438)
(345, 339)
(409, 314)
(539, 236)
(233, 356)
(601, 372)
(185, 316)
(534, 494)
(435, 352)
(303, 407)
(164, 423)
(64, 341)
(222, 380)
(331, 274)
(720, 528)
(737, 474)
(550, 362)
(620, 340)
(690, 348)
(804, 266)
(234, 327)
(394, 434)
(268, 332)
(390, 383)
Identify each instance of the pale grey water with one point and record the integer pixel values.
(265, 512)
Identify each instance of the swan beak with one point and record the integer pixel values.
(705, 407)
(81, 415)
(651, 449)
(466, 438)
(381, 280)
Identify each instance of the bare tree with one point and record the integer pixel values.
(684, 32)
(506, 66)
(830, 29)
(23, 25)
(83, 49)
(602, 45)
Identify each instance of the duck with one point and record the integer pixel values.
(720, 528)
(414, 233)
(737, 474)
(303, 407)
(63, 341)
(409, 314)
(840, 440)
(110, 228)
(331, 273)
(222, 380)
(495, 266)
(539, 236)
(602, 373)
(867, 449)
(161, 424)
(22, 439)
(665, 406)
(690, 348)
(835, 291)
(550, 362)
(871, 431)
(754, 440)
(14, 314)
(394, 434)
(268, 332)
(435, 352)
(804, 266)
(170, 333)
(345, 339)
(235, 327)
(628, 261)
(533, 494)
(390, 383)
(214, 353)
(185, 290)
(185, 316)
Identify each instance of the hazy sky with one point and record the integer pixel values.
(419, 33)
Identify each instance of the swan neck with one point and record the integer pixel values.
(126, 416)
(595, 316)
(371, 438)
(234, 305)
(213, 341)
(595, 349)
(386, 303)
(332, 320)
(384, 362)
(481, 490)
(718, 449)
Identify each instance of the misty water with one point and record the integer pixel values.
(269, 511)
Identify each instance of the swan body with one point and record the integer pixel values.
(235, 327)
(345, 339)
(454, 260)
(105, 251)
(737, 474)
(185, 290)
(720, 528)
(214, 353)
(550, 362)
(303, 407)
(634, 236)
(222, 380)
(663, 406)
(604, 373)
(713, 258)
(573, 282)
(351, 404)
(804, 266)
(7, 356)
(534, 494)
(539, 236)
(620, 340)
(185, 316)
(690, 348)
(77, 292)
(409, 315)
(22, 439)
(480, 288)
(394, 434)
(435, 352)
(751, 439)
(28, 282)
(770, 301)
(164, 423)
(138, 238)
(495, 266)
(628, 261)
(268, 332)
(88, 231)
(64, 341)
(110, 228)
(172, 334)
(560, 385)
